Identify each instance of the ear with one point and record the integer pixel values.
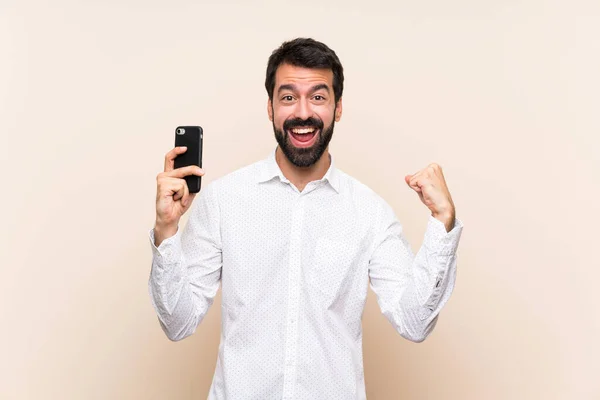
(270, 109)
(338, 110)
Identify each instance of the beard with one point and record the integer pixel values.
(304, 156)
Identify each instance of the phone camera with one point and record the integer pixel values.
(180, 131)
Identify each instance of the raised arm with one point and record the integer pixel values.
(186, 265)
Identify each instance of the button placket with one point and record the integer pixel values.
(293, 293)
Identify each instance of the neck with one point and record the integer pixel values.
(301, 176)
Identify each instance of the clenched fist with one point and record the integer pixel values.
(173, 197)
(430, 184)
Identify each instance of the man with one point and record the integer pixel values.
(295, 243)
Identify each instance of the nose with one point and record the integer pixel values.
(304, 109)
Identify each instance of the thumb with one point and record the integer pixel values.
(407, 179)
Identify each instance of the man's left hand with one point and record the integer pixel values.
(431, 187)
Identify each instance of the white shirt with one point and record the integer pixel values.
(294, 269)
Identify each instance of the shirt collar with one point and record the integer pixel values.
(270, 169)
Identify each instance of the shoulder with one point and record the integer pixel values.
(366, 201)
(359, 191)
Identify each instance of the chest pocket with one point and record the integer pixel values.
(331, 270)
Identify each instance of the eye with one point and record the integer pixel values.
(318, 97)
(287, 98)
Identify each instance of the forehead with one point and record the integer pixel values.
(302, 77)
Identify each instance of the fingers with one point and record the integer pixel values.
(183, 193)
(168, 186)
(173, 183)
(424, 176)
(171, 156)
(414, 181)
(184, 171)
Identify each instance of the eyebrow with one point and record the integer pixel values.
(312, 90)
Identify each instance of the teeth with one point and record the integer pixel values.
(303, 130)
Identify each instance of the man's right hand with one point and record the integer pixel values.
(173, 198)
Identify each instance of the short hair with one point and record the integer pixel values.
(307, 53)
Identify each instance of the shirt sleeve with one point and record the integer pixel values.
(186, 268)
(411, 290)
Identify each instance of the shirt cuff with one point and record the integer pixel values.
(169, 250)
(438, 240)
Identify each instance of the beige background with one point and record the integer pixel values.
(503, 94)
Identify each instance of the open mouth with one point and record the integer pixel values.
(303, 136)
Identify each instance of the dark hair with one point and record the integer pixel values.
(307, 53)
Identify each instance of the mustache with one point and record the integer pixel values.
(292, 123)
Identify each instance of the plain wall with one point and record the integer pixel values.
(502, 94)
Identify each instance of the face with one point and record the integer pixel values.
(303, 111)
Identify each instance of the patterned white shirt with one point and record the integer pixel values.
(294, 268)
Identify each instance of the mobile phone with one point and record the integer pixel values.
(191, 137)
